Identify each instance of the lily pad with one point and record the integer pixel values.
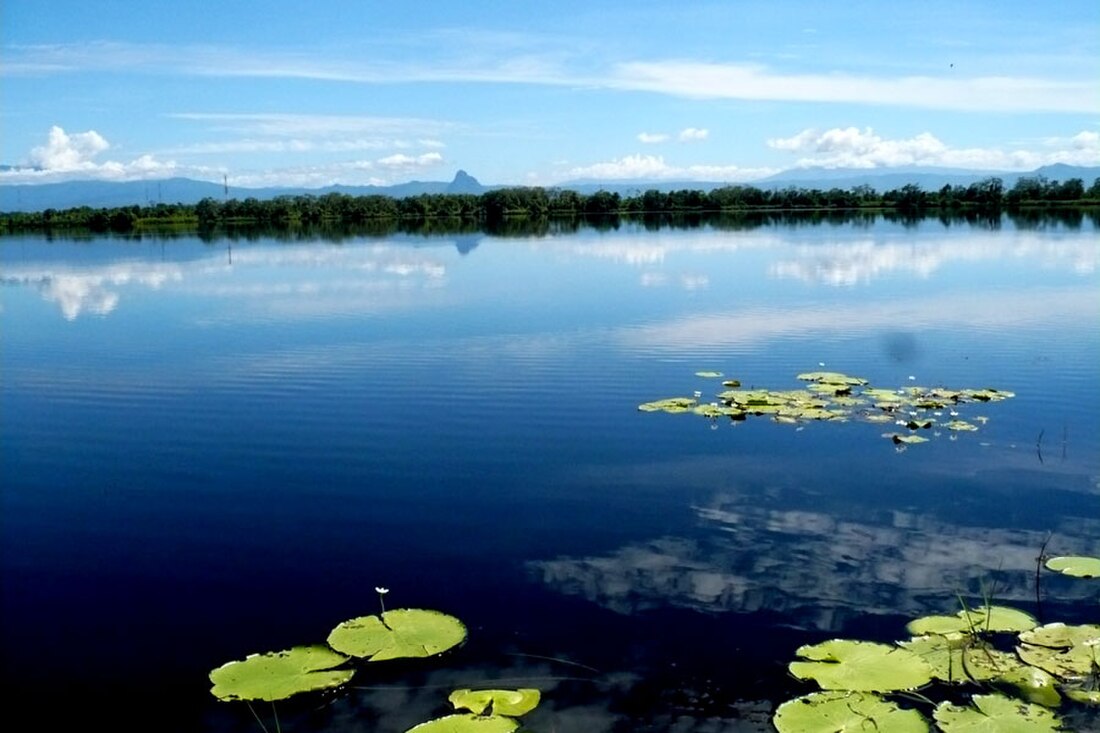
(995, 714)
(278, 675)
(1033, 684)
(846, 712)
(831, 378)
(709, 375)
(732, 383)
(1064, 651)
(960, 659)
(907, 439)
(504, 702)
(976, 620)
(467, 723)
(672, 404)
(843, 664)
(961, 425)
(405, 632)
(1089, 697)
(1076, 565)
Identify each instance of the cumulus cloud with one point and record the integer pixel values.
(852, 147)
(402, 161)
(68, 152)
(652, 137)
(654, 167)
(65, 155)
(692, 134)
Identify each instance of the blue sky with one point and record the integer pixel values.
(292, 93)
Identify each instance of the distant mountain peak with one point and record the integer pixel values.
(464, 183)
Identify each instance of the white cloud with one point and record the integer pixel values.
(692, 134)
(402, 161)
(654, 167)
(67, 156)
(750, 81)
(852, 147)
(68, 152)
(652, 137)
(683, 78)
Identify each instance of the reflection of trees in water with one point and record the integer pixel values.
(819, 570)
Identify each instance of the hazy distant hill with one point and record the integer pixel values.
(881, 179)
(99, 194)
(37, 197)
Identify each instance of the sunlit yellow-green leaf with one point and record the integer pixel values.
(404, 632)
(1076, 565)
(279, 675)
(843, 664)
(995, 714)
(961, 659)
(1064, 651)
(467, 723)
(973, 621)
(846, 712)
(513, 703)
(672, 404)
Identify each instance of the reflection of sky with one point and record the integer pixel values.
(282, 281)
(819, 566)
(742, 268)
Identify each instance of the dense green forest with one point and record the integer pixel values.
(499, 205)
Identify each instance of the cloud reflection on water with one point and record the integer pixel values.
(823, 569)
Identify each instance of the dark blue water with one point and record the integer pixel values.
(216, 448)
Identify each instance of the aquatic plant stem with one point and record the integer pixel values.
(275, 714)
(257, 717)
(1038, 572)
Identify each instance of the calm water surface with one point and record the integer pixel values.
(217, 448)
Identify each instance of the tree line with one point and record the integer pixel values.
(532, 202)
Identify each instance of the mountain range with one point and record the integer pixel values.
(97, 194)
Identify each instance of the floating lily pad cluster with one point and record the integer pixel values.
(1017, 682)
(832, 396)
(401, 633)
(491, 711)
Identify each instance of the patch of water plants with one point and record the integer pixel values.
(989, 669)
(915, 412)
(403, 633)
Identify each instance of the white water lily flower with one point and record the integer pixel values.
(381, 591)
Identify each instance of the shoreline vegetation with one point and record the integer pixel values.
(531, 209)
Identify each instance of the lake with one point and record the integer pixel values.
(215, 447)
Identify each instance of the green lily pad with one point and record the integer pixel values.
(1064, 651)
(1032, 684)
(278, 675)
(961, 425)
(960, 659)
(732, 383)
(672, 405)
(907, 439)
(467, 723)
(1089, 697)
(1076, 565)
(987, 395)
(709, 375)
(976, 620)
(843, 664)
(405, 632)
(504, 702)
(995, 714)
(846, 712)
(831, 378)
